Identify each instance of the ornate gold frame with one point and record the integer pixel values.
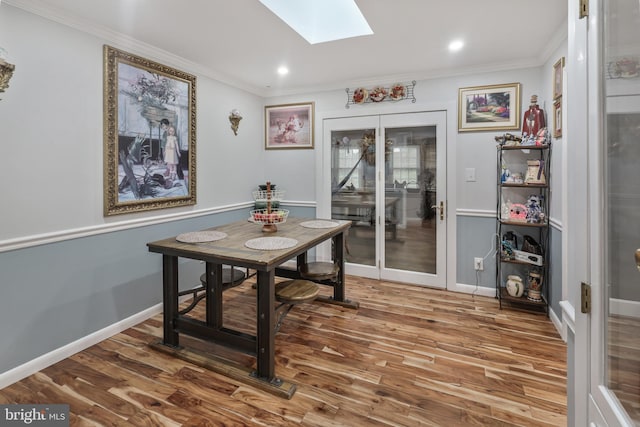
(557, 78)
(115, 98)
(490, 122)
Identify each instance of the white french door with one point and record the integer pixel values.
(388, 177)
(614, 247)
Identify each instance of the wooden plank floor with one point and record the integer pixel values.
(409, 356)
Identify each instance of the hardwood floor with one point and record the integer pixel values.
(412, 247)
(409, 356)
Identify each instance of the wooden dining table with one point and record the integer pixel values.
(232, 250)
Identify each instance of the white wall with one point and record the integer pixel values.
(471, 149)
(52, 131)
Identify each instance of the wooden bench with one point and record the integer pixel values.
(293, 292)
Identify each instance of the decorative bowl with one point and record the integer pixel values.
(262, 216)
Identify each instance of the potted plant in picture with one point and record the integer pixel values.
(153, 91)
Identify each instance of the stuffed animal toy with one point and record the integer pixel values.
(518, 212)
(534, 209)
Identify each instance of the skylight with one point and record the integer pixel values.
(319, 21)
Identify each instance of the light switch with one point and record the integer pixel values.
(470, 174)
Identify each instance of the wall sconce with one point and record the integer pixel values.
(235, 118)
(6, 71)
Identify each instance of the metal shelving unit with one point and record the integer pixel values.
(513, 261)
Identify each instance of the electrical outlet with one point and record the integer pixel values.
(478, 264)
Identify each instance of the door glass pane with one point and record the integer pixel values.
(353, 183)
(622, 132)
(410, 193)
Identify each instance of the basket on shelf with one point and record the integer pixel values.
(262, 195)
(264, 217)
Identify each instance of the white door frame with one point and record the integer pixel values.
(413, 120)
(595, 405)
(323, 185)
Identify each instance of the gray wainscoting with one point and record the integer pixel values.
(54, 294)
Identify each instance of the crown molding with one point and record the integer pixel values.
(128, 43)
(132, 45)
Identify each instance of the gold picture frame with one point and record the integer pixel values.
(289, 126)
(557, 118)
(149, 134)
(557, 78)
(490, 108)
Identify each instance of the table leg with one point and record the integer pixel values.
(170, 298)
(301, 260)
(338, 247)
(266, 326)
(213, 294)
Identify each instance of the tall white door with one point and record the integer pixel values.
(388, 177)
(614, 140)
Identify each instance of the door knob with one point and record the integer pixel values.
(441, 207)
(638, 259)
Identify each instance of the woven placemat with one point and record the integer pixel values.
(270, 243)
(319, 223)
(201, 236)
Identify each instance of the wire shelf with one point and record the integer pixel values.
(381, 94)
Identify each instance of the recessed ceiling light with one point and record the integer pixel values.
(283, 70)
(456, 45)
(319, 21)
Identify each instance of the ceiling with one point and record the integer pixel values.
(242, 43)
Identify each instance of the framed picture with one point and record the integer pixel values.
(557, 118)
(288, 126)
(557, 78)
(495, 107)
(149, 135)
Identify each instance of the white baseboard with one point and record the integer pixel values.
(16, 374)
(557, 323)
(623, 307)
(474, 290)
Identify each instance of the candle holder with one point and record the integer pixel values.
(235, 118)
(6, 71)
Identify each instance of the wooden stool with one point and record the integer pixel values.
(293, 292)
(319, 271)
(231, 277)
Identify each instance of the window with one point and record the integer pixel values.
(405, 165)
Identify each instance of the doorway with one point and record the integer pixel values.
(388, 177)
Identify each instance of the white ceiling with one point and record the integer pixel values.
(242, 43)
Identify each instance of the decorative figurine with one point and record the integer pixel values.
(535, 215)
(533, 119)
(534, 284)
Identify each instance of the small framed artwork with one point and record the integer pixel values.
(289, 126)
(495, 107)
(557, 78)
(557, 118)
(149, 135)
